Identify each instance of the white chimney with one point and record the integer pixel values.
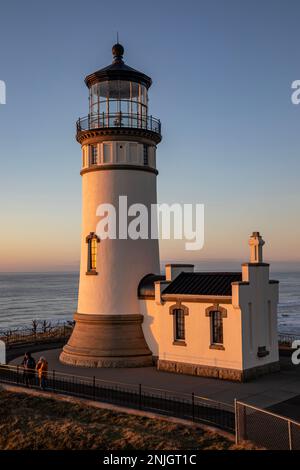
(256, 244)
(173, 270)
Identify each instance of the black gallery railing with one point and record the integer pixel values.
(137, 121)
(166, 402)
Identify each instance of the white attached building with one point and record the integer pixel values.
(221, 324)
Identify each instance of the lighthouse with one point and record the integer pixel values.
(118, 139)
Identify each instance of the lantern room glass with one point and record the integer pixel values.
(118, 102)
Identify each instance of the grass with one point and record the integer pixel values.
(36, 422)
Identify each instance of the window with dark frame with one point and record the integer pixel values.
(179, 327)
(94, 154)
(146, 154)
(94, 254)
(92, 242)
(217, 327)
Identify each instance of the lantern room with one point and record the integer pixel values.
(118, 97)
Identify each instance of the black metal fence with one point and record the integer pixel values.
(286, 339)
(166, 402)
(131, 120)
(38, 332)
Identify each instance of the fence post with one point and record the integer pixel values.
(193, 406)
(140, 396)
(236, 421)
(290, 435)
(94, 387)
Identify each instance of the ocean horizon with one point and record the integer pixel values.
(52, 296)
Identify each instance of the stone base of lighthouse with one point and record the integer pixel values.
(107, 341)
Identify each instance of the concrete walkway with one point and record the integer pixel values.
(262, 392)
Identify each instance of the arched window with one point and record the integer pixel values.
(179, 325)
(92, 242)
(217, 327)
(179, 311)
(216, 315)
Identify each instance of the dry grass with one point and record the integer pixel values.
(34, 422)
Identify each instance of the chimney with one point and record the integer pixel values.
(173, 270)
(256, 244)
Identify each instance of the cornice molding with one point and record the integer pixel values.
(118, 166)
(84, 137)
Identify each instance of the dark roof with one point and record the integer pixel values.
(146, 286)
(203, 283)
(118, 70)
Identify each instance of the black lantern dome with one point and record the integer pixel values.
(118, 70)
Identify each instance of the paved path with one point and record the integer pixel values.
(289, 408)
(263, 392)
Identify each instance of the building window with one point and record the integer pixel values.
(216, 315)
(94, 154)
(217, 327)
(92, 242)
(146, 155)
(179, 325)
(179, 311)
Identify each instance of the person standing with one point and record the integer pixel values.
(29, 369)
(42, 369)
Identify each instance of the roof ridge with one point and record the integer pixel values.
(203, 283)
(212, 272)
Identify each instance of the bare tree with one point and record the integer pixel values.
(34, 327)
(46, 326)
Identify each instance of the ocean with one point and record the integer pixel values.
(53, 296)
(37, 296)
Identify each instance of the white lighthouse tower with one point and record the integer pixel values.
(118, 140)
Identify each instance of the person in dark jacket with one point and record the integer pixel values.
(29, 369)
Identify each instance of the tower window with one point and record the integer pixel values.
(92, 242)
(94, 154)
(146, 154)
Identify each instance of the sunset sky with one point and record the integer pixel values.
(222, 74)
